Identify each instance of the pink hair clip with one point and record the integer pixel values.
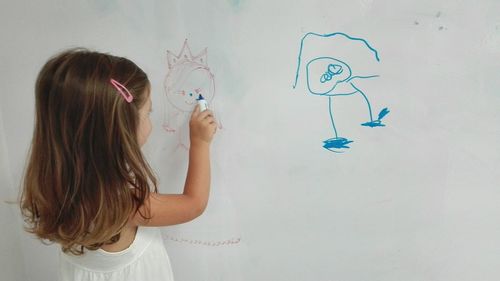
(123, 90)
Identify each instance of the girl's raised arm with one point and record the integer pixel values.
(171, 209)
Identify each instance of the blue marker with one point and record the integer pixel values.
(203, 103)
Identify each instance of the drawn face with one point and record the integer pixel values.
(187, 84)
(324, 73)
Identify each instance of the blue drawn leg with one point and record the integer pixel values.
(336, 143)
(383, 112)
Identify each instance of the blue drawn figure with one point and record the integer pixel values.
(330, 76)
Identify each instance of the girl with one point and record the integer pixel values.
(88, 187)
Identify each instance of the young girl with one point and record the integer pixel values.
(87, 185)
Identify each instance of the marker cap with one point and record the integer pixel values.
(202, 102)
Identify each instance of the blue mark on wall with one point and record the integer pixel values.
(236, 3)
(336, 79)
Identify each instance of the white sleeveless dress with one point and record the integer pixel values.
(146, 259)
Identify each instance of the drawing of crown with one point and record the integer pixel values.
(185, 55)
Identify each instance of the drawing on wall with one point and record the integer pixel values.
(188, 77)
(330, 73)
(227, 242)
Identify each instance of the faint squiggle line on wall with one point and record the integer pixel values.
(227, 242)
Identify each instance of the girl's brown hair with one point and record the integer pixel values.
(86, 175)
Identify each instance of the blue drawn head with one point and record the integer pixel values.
(324, 73)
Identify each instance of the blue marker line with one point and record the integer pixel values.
(367, 101)
(331, 115)
(328, 35)
(362, 77)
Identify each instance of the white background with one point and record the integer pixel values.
(418, 199)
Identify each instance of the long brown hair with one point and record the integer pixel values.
(86, 174)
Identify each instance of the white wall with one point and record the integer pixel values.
(11, 258)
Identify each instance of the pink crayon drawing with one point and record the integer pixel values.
(188, 77)
(228, 242)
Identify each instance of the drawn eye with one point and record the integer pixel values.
(190, 94)
(335, 69)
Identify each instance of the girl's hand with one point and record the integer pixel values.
(202, 126)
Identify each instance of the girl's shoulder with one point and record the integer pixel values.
(127, 237)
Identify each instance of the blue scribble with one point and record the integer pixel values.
(336, 143)
(236, 3)
(336, 79)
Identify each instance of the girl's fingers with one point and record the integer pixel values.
(196, 111)
(208, 122)
(205, 114)
(212, 128)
